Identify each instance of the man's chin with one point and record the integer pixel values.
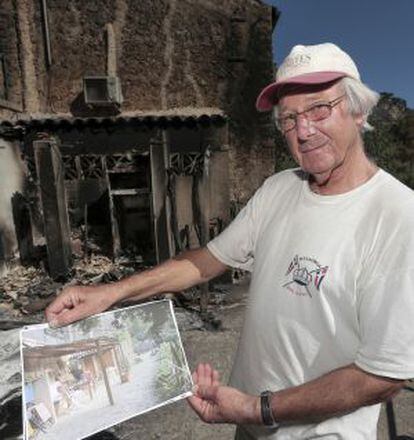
(317, 169)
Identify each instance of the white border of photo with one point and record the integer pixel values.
(186, 371)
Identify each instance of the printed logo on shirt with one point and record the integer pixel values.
(304, 276)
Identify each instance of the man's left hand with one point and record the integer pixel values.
(215, 403)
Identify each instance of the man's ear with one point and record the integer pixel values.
(360, 120)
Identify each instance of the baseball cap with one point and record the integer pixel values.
(316, 64)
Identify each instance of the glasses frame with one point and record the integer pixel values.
(294, 116)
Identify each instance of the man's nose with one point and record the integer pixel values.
(304, 127)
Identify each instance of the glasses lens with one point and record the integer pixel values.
(318, 112)
(287, 123)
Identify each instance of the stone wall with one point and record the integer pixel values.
(9, 49)
(169, 54)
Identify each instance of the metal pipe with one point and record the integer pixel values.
(48, 50)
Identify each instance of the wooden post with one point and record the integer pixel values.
(55, 215)
(23, 228)
(215, 138)
(204, 200)
(214, 194)
(105, 376)
(160, 208)
(219, 205)
(116, 239)
(122, 377)
(85, 234)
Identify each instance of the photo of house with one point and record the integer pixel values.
(85, 377)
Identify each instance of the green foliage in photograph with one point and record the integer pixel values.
(172, 373)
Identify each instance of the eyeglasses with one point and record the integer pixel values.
(316, 112)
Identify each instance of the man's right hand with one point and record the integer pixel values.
(78, 302)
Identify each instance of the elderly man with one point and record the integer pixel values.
(328, 333)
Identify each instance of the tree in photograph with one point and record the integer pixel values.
(172, 374)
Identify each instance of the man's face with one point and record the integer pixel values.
(319, 147)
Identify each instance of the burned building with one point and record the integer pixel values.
(131, 120)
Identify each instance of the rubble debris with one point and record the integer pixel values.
(23, 228)
(10, 385)
(26, 291)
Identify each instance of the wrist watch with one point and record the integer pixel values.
(266, 410)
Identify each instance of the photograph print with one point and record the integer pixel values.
(88, 376)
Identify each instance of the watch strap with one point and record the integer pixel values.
(266, 409)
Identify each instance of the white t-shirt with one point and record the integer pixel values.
(332, 284)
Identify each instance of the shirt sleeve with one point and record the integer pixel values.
(235, 245)
(386, 312)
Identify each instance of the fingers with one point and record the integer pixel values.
(203, 377)
(54, 312)
(206, 380)
(68, 316)
(215, 378)
(66, 308)
(196, 403)
(204, 401)
(195, 382)
(55, 308)
(207, 375)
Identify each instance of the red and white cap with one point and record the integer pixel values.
(317, 64)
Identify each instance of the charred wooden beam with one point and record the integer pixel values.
(23, 228)
(213, 195)
(116, 238)
(56, 221)
(204, 207)
(161, 209)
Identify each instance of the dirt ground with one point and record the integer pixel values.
(178, 422)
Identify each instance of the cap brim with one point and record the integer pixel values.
(269, 96)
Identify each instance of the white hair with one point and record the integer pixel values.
(361, 100)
